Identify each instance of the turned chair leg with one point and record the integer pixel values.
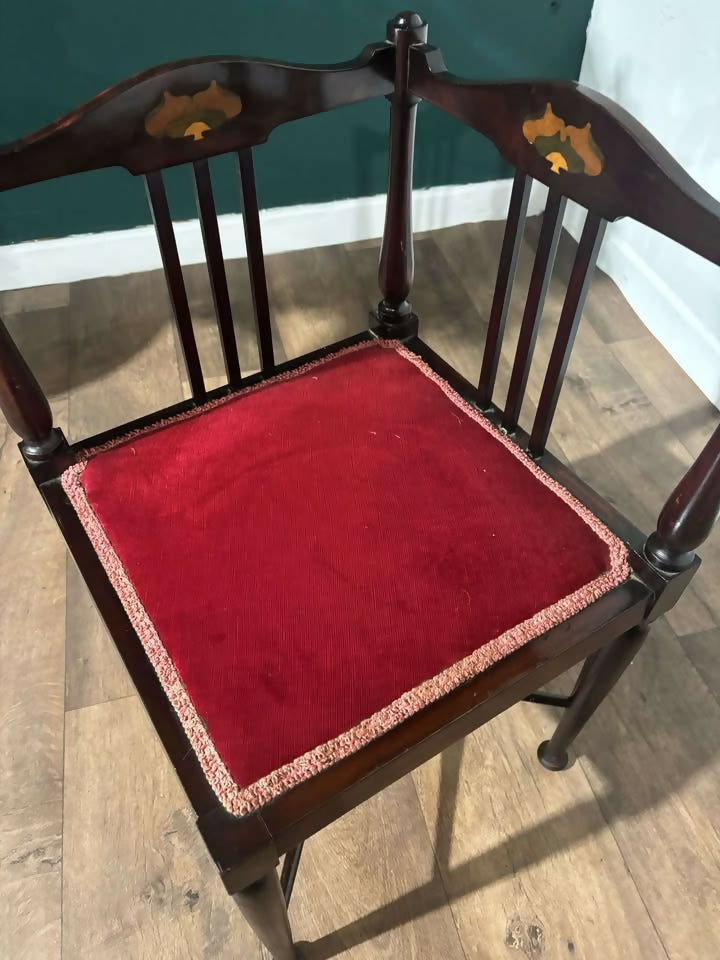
(263, 906)
(598, 677)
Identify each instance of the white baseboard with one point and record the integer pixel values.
(39, 262)
(114, 253)
(685, 335)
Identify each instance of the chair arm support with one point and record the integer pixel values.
(23, 402)
(690, 512)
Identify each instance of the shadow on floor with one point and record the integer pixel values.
(525, 849)
(560, 832)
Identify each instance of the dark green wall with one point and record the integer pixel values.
(58, 53)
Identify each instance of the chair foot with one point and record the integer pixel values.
(263, 906)
(550, 760)
(598, 676)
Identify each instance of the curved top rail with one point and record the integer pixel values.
(189, 110)
(580, 144)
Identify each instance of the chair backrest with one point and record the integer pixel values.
(581, 145)
(185, 113)
(585, 148)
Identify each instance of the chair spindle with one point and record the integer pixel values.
(503, 285)
(216, 269)
(539, 282)
(256, 260)
(580, 277)
(157, 199)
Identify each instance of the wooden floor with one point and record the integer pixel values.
(480, 854)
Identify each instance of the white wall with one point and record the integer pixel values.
(114, 253)
(660, 59)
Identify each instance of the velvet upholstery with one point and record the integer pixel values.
(313, 561)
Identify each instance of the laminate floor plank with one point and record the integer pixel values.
(123, 361)
(123, 364)
(138, 883)
(368, 886)
(653, 759)
(315, 298)
(526, 857)
(32, 639)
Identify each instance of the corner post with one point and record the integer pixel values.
(689, 514)
(23, 403)
(397, 263)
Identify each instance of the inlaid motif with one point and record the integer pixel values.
(565, 147)
(192, 116)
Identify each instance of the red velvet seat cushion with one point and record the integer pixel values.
(313, 561)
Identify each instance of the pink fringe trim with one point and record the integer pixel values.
(240, 800)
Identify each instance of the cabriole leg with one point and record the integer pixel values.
(263, 906)
(603, 671)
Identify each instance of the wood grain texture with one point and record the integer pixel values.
(94, 671)
(570, 316)
(393, 903)
(31, 717)
(31, 693)
(134, 862)
(41, 335)
(702, 651)
(204, 322)
(610, 318)
(31, 881)
(315, 298)
(666, 825)
(121, 336)
(50, 297)
(114, 354)
(687, 412)
(522, 850)
(650, 457)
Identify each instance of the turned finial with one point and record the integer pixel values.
(410, 22)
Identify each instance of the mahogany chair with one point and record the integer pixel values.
(323, 574)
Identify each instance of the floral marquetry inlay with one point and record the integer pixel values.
(563, 146)
(192, 116)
